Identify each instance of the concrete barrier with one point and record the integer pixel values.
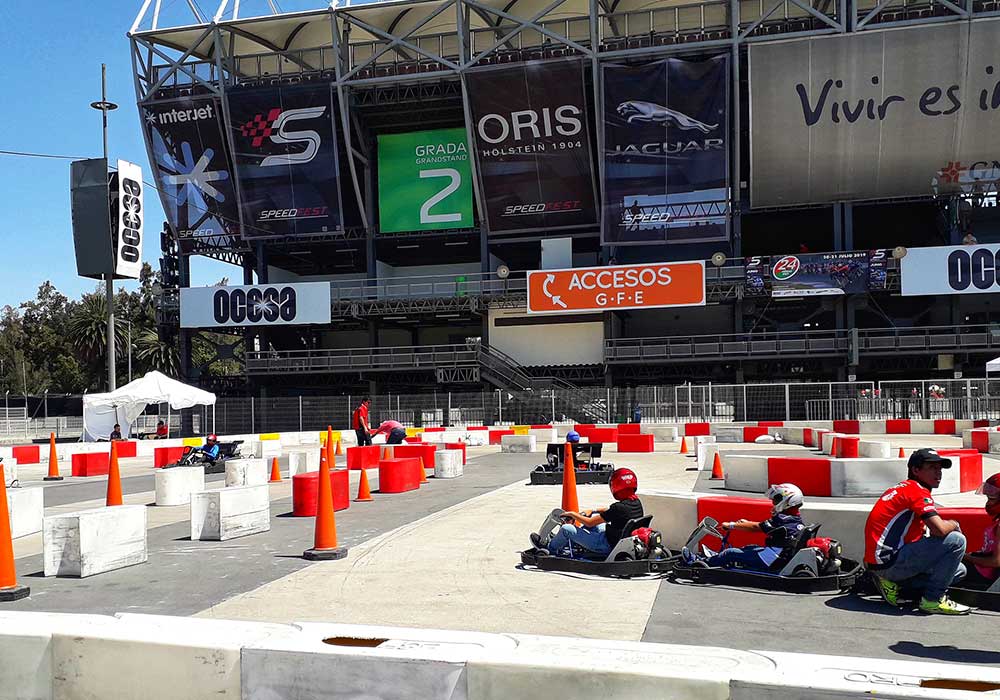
(26, 507)
(91, 542)
(662, 433)
(745, 472)
(543, 436)
(9, 470)
(705, 455)
(726, 433)
(517, 443)
(448, 464)
(299, 461)
(174, 486)
(874, 448)
(826, 442)
(246, 472)
(225, 514)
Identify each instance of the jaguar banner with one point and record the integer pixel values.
(532, 144)
(285, 152)
(666, 152)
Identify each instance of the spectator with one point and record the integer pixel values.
(116, 432)
(359, 421)
(970, 239)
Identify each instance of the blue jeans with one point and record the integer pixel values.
(745, 557)
(932, 563)
(590, 538)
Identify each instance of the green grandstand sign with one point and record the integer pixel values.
(424, 181)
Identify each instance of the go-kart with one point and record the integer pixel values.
(634, 555)
(588, 469)
(193, 457)
(803, 569)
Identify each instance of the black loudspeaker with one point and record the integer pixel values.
(91, 217)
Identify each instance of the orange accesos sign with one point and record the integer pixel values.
(647, 286)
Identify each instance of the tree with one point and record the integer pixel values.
(87, 329)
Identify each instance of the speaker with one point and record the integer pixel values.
(91, 215)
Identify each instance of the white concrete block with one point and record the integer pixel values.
(476, 438)
(675, 514)
(994, 441)
(517, 443)
(27, 510)
(699, 439)
(874, 448)
(921, 426)
(448, 464)
(299, 461)
(246, 472)
(727, 433)
(705, 453)
(268, 449)
(967, 438)
(544, 435)
(174, 486)
(871, 427)
(662, 433)
(827, 441)
(871, 477)
(91, 542)
(745, 472)
(9, 471)
(790, 436)
(224, 514)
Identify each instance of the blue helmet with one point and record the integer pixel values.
(572, 436)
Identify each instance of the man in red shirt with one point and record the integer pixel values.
(896, 550)
(359, 421)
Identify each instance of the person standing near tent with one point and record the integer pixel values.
(359, 421)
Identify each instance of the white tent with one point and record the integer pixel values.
(125, 404)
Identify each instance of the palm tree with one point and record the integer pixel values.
(155, 353)
(88, 328)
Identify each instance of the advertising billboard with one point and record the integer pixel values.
(285, 153)
(533, 145)
(964, 269)
(126, 206)
(424, 181)
(835, 118)
(616, 287)
(666, 158)
(255, 305)
(815, 274)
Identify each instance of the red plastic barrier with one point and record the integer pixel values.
(305, 489)
(944, 426)
(981, 423)
(726, 508)
(476, 427)
(848, 447)
(413, 440)
(398, 475)
(897, 426)
(751, 433)
(629, 428)
(126, 448)
(981, 441)
(635, 443)
(91, 464)
(811, 474)
(603, 435)
(694, 429)
(435, 430)
(974, 522)
(456, 446)
(426, 451)
(162, 456)
(541, 427)
(808, 438)
(366, 457)
(584, 429)
(970, 464)
(495, 435)
(770, 424)
(26, 454)
(851, 427)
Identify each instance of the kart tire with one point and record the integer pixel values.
(624, 556)
(803, 572)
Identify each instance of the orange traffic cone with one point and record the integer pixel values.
(387, 452)
(9, 590)
(114, 497)
(364, 490)
(423, 471)
(901, 453)
(275, 472)
(53, 460)
(329, 448)
(569, 500)
(717, 468)
(684, 445)
(325, 538)
(339, 451)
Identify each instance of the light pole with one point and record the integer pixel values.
(128, 315)
(104, 106)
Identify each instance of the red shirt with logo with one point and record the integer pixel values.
(359, 413)
(897, 519)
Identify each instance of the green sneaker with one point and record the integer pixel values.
(889, 590)
(945, 606)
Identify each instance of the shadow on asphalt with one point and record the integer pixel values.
(873, 606)
(946, 653)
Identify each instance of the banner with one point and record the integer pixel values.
(837, 118)
(286, 159)
(126, 205)
(257, 305)
(666, 159)
(192, 168)
(965, 269)
(533, 145)
(617, 287)
(424, 181)
(815, 274)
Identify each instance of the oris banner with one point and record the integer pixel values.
(192, 168)
(666, 155)
(838, 118)
(257, 305)
(964, 269)
(285, 152)
(533, 145)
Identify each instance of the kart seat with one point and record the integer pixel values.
(635, 523)
(806, 534)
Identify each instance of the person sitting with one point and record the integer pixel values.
(162, 431)
(601, 528)
(985, 563)
(898, 553)
(209, 451)
(781, 532)
(394, 432)
(116, 433)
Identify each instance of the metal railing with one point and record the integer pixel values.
(428, 286)
(367, 359)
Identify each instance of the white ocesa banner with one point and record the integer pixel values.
(128, 255)
(256, 305)
(960, 269)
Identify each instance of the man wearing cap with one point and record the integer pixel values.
(897, 551)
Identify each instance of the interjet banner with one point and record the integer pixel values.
(286, 159)
(256, 305)
(866, 115)
(533, 145)
(666, 162)
(192, 168)
(964, 269)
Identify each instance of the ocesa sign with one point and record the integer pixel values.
(973, 269)
(258, 305)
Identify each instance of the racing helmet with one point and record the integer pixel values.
(784, 497)
(212, 438)
(623, 484)
(991, 489)
(572, 436)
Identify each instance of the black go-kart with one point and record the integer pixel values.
(585, 456)
(802, 569)
(193, 457)
(630, 557)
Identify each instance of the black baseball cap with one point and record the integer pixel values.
(927, 455)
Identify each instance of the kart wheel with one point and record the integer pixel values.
(624, 556)
(803, 572)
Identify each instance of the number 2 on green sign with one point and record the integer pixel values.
(425, 209)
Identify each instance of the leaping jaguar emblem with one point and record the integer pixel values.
(637, 111)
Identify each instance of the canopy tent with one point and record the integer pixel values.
(992, 366)
(124, 405)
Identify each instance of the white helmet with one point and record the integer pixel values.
(784, 496)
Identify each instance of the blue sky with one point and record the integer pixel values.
(52, 52)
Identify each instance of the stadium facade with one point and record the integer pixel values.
(416, 159)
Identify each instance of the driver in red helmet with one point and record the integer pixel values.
(986, 562)
(601, 528)
(210, 450)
